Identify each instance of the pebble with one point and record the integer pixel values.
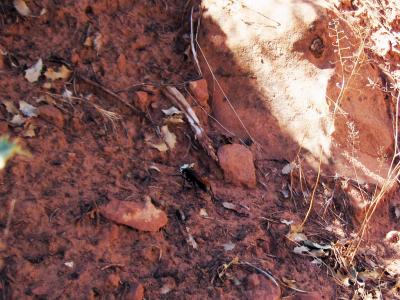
(52, 115)
(237, 163)
(141, 216)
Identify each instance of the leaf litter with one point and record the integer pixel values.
(33, 73)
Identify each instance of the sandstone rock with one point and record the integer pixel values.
(199, 89)
(142, 100)
(259, 287)
(144, 217)
(52, 115)
(237, 163)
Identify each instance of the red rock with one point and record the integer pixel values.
(136, 292)
(143, 216)
(261, 288)
(307, 296)
(142, 100)
(199, 89)
(237, 163)
(52, 115)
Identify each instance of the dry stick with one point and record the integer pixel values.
(107, 91)
(194, 53)
(266, 273)
(313, 192)
(9, 218)
(179, 100)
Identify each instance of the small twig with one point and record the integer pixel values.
(266, 273)
(9, 218)
(112, 266)
(194, 52)
(109, 92)
(179, 100)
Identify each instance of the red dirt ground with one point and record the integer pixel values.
(80, 162)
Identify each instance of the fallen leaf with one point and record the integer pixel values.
(28, 110)
(286, 222)
(166, 288)
(88, 42)
(169, 137)
(162, 147)
(301, 250)
(22, 8)
(29, 131)
(10, 107)
(33, 73)
(62, 73)
(69, 264)
(203, 213)
(191, 241)
(98, 41)
(175, 119)
(229, 205)
(229, 246)
(17, 120)
(47, 85)
(287, 169)
(171, 111)
(67, 94)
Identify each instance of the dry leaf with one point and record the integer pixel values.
(175, 119)
(29, 131)
(301, 250)
(62, 73)
(229, 205)
(47, 85)
(22, 8)
(287, 169)
(162, 147)
(229, 246)
(33, 73)
(203, 213)
(98, 41)
(171, 111)
(17, 120)
(191, 240)
(169, 137)
(88, 42)
(27, 109)
(10, 107)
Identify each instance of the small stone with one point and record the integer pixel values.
(52, 115)
(259, 287)
(136, 292)
(199, 89)
(121, 63)
(237, 163)
(144, 217)
(142, 100)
